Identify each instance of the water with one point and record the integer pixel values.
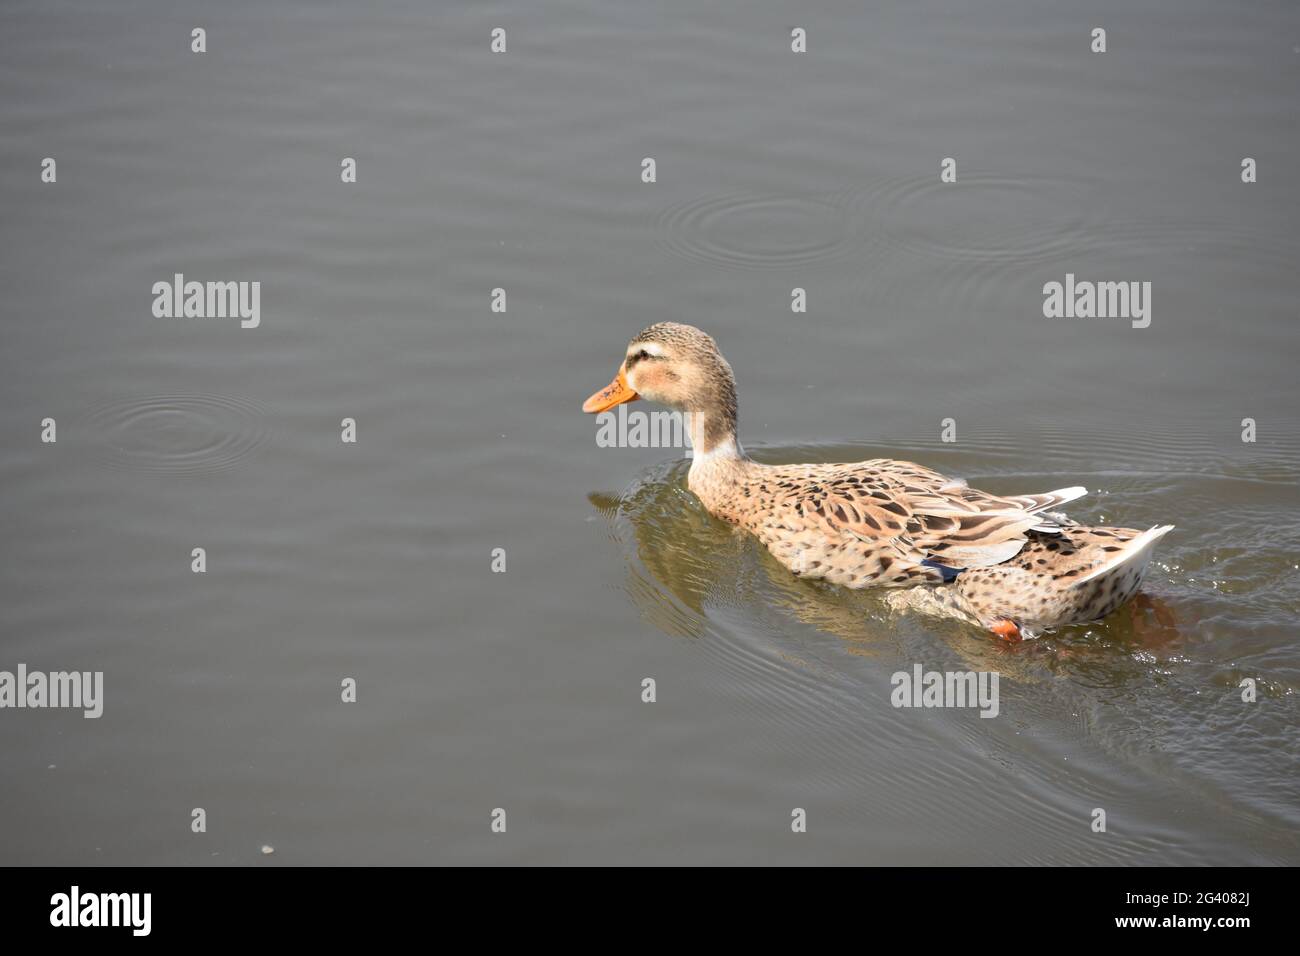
(521, 171)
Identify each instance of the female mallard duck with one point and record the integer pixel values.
(1009, 562)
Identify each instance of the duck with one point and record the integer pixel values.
(1013, 564)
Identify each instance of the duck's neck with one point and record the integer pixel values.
(713, 438)
(718, 463)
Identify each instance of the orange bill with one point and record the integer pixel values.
(615, 393)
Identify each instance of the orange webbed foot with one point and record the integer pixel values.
(1165, 625)
(1162, 611)
(1006, 629)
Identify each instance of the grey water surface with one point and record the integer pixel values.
(521, 171)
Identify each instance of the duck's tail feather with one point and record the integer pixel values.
(1135, 551)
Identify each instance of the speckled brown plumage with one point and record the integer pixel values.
(1050, 582)
(1001, 560)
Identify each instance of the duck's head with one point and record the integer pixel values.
(675, 365)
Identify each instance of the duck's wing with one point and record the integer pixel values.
(924, 516)
(840, 503)
(945, 495)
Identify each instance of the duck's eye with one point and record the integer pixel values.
(637, 357)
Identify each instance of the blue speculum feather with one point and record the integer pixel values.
(949, 574)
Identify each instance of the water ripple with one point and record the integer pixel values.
(762, 231)
(176, 435)
(985, 218)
